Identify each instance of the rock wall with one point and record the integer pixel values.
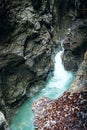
(72, 22)
(80, 82)
(26, 46)
(75, 45)
(68, 112)
(29, 34)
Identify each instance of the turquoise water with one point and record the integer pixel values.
(60, 82)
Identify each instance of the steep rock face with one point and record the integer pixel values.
(27, 31)
(72, 22)
(26, 44)
(75, 45)
(80, 82)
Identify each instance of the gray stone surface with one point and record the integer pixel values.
(30, 33)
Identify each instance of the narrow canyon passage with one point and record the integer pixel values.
(60, 82)
(31, 33)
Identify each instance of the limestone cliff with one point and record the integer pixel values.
(75, 44)
(26, 46)
(30, 33)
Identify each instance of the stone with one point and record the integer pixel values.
(37, 26)
(3, 122)
(25, 50)
(74, 45)
(36, 4)
(80, 82)
(85, 56)
(66, 112)
(66, 44)
(69, 61)
(29, 34)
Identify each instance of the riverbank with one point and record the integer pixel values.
(69, 111)
(23, 119)
(30, 35)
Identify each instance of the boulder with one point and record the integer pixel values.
(3, 122)
(85, 56)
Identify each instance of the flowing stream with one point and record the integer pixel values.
(60, 82)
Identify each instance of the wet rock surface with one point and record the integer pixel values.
(69, 112)
(80, 82)
(3, 122)
(29, 30)
(26, 45)
(75, 45)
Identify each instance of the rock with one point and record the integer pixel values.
(29, 33)
(66, 44)
(37, 26)
(37, 4)
(3, 123)
(69, 61)
(74, 45)
(80, 82)
(13, 80)
(67, 112)
(85, 56)
(25, 50)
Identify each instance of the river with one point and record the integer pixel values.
(60, 82)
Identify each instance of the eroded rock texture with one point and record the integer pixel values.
(75, 44)
(72, 19)
(28, 35)
(80, 82)
(25, 48)
(3, 122)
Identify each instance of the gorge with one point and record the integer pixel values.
(31, 32)
(23, 120)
